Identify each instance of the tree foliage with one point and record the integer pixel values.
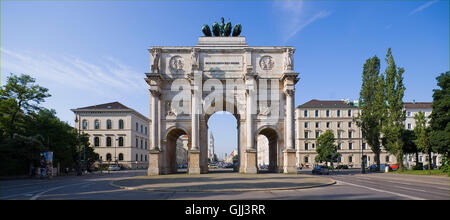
(27, 129)
(326, 148)
(372, 105)
(393, 125)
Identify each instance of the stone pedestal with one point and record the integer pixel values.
(289, 161)
(153, 168)
(194, 162)
(250, 162)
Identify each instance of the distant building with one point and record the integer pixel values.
(182, 149)
(412, 108)
(263, 150)
(211, 147)
(117, 133)
(317, 116)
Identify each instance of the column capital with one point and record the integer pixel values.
(289, 91)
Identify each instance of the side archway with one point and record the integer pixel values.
(170, 153)
(273, 137)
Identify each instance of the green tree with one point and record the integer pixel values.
(422, 132)
(392, 128)
(18, 97)
(326, 148)
(440, 118)
(372, 105)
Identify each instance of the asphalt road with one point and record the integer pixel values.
(350, 185)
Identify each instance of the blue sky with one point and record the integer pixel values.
(89, 52)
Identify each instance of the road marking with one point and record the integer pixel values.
(52, 189)
(384, 191)
(420, 190)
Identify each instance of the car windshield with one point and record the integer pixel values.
(317, 167)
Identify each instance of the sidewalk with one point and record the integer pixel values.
(221, 182)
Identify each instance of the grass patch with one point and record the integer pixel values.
(435, 172)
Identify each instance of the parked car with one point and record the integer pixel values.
(342, 167)
(393, 167)
(433, 166)
(113, 167)
(319, 169)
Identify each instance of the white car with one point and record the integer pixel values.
(113, 167)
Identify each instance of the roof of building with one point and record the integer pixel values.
(111, 105)
(417, 105)
(115, 106)
(314, 103)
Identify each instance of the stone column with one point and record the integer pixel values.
(194, 152)
(250, 137)
(289, 152)
(154, 153)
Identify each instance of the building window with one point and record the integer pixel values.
(349, 134)
(349, 124)
(108, 124)
(142, 144)
(145, 157)
(339, 159)
(306, 124)
(305, 113)
(328, 124)
(339, 124)
(108, 157)
(313, 145)
(328, 113)
(363, 146)
(339, 146)
(136, 157)
(350, 146)
(409, 114)
(350, 159)
(339, 113)
(141, 157)
(317, 134)
(85, 124)
(142, 129)
(108, 141)
(409, 125)
(145, 130)
(97, 124)
(306, 159)
(317, 124)
(146, 144)
(96, 141)
(338, 134)
(137, 127)
(349, 112)
(120, 141)
(120, 157)
(137, 143)
(387, 159)
(306, 134)
(317, 113)
(306, 146)
(120, 124)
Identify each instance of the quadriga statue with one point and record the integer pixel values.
(222, 29)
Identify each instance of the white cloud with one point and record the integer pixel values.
(72, 73)
(422, 7)
(295, 18)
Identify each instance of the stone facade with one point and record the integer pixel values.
(116, 132)
(412, 108)
(190, 83)
(316, 116)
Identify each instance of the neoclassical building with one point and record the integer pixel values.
(317, 116)
(412, 108)
(117, 133)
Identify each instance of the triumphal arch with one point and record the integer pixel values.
(221, 73)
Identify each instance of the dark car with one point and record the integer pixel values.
(433, 166)
(342, 167)
(319, 169)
